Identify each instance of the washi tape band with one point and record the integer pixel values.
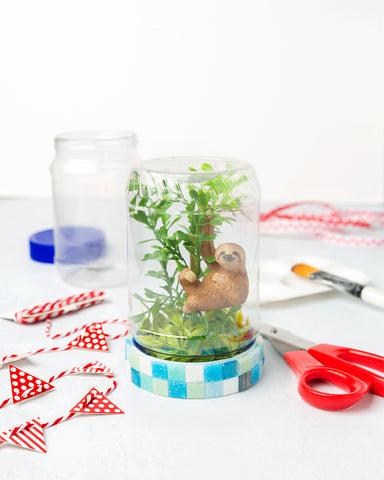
(195, 380)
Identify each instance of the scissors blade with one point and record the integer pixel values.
(283, 340)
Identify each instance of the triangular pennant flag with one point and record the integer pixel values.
(92, 367)
(95, 402)
(92, 338)
(24, 385)
(29, 435)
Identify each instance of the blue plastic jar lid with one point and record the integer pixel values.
(77, 245)
(41, 246)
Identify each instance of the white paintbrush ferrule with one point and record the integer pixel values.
(373, 296)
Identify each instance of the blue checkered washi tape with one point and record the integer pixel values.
(195, 380)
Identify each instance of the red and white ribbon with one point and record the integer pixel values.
(96, 402)
(14, 357)
(74, 343)
(340, 226)
(30, 434)
(20, 381)
(58, 307)
(82, 327)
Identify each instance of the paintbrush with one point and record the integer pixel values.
(367, 294)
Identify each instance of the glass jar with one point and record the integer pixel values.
(193, 257)
(89, 177)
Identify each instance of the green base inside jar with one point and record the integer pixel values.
(200, 358)
(197, 337)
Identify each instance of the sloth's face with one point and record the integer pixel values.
(231, 257)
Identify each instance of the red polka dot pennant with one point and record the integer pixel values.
(92, 338)
(95, 402)
(24, 385)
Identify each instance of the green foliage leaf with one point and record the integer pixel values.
(158, 274)
(217, 220)
(138, 318)
(206, 167)
(193, 193)
(141, 217)
(150, 294)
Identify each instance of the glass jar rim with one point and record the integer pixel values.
(185, 165)
(84, 138)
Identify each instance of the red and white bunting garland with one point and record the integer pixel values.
(30, 434)
(89, 330)
(24, 385)
(128, 323)
(59, 307)
(91, 367)
(326, 222)
(95, 402)
(92, 338)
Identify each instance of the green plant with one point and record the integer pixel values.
(163, 327)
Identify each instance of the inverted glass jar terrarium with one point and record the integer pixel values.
(193, 257)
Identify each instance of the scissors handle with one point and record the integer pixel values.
(308, 369)
(352, 361)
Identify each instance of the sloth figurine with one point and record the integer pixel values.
(225, 285)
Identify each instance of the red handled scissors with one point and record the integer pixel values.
(341, 366)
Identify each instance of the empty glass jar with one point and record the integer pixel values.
(89, 177)
(193, 257)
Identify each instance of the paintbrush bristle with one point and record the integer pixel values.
(304, 270)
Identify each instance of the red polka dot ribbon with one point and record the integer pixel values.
(352, 227)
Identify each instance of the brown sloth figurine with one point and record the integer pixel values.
(226, 283)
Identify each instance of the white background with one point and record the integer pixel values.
(294, 86)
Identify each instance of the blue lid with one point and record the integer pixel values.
(41, 246)
(78, 245)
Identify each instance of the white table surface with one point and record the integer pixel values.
(266, 432)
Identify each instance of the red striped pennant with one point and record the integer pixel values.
(28, 435)
(92, 367)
